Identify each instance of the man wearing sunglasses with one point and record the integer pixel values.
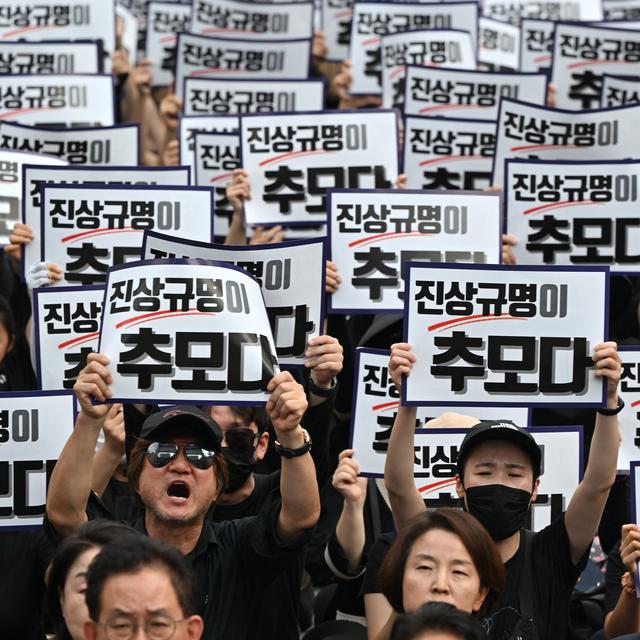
(176, 471)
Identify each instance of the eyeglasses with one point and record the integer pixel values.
(160, 454)
(124, 628)
(241, 437)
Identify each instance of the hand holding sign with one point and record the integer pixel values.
(93, 383)
(630, 547)
(22, 234)
(324, 358)
(287, 403)
(400, 363)
(347, 481)
(609, 366)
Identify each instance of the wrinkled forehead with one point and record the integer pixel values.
(498, 452)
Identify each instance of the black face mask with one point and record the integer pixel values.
(240, 464)
(501, 510)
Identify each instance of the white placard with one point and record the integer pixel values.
(27, 457)
(448, 153)
(213, 96)
(188, 126)
(374, 233)
(536, 44)
(217, 155)
(505, 335)
(294, 158)
(525, 131)
(629, 417)
(434, 48)
(129, 24)
(34, 177)
(582, 54)
(574, 212)
(201, 337)
(336, 25)
(569, 10)
(67, 326)
(87, 229)
(102, 146)
(498, 44)
(617, 91)
(11, 164)
(164, 21)
(61, 57)
(242, 19)
(621, 9)
(372, 20)
(290, 274)
(201, 56)
(470, 94)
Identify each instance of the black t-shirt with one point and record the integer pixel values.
(377, 554)
(544, 571)
(615, 571)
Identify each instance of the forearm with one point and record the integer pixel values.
(237, 234)
(625, 618)
(350, 532)
(105, 463)
(71, 479)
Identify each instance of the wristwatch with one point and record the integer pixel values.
(285, 452)
(612, 412)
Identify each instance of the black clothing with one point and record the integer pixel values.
(376, 555)
(613, 582)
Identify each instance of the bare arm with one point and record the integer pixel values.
(377, 611)
(109, 456)
(237, 192)
(587, 504)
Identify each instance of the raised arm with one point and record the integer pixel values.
(298, 485)
(587, 504)
(406, 501)
(109, 456)
(72, 477)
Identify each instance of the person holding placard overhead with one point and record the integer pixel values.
(176, 471)
(498, 478)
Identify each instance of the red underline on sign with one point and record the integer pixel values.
(168, 39)
(35, 27)
(428, 488)
(543, 58)
(556, 205)
(387, 236)
(588, 63)
(291, 154)
(468, 319)
(397, 72)
(219, 30)
(87, 337)
(344, 14)
(386, 405)
(636, 403)
(10, 114)
(204, 72)
(99, 232)
(531, 147)
(366, 43)
(441, 107)
(221, 177)
(159, 315)
(451, 159)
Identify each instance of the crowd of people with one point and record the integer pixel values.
(235, 522)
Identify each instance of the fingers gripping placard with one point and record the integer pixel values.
(186, 331)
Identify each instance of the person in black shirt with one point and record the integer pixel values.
(177, 473)
(498, 478)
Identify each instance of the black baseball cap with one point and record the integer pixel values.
(499, 430)
(187, 417)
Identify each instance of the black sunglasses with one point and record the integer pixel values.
(241, 438)
(160, 454)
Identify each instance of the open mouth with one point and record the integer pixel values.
(178, 490)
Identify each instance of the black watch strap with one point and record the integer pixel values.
(285, 452)
(319, 391)
(612, 412)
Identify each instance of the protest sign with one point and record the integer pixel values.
(95, 146)
(629, 417)
(436, 47)
(509, 335)
(164, 21)
(65, 101)
(188, 126)
(56, 56)
(374, 233)
(217, 155)
(513, 11)
(525, 130)
(201, 56)
(498, 44)
(567, 212)
(213, 96)
(372, 20)
(621, 9)
(34, 176)
(635, 509)
(31, 444)
(336, 26)
(66, 327)
(536, 44)
(49, 20)
(582, 54)
(86, 229)
(186, 331)
(618, 91)
(448, 153)
(245, 19)
(290, 274)
(475, 95)
(130, 35)
(294, 158)
(11, 164)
